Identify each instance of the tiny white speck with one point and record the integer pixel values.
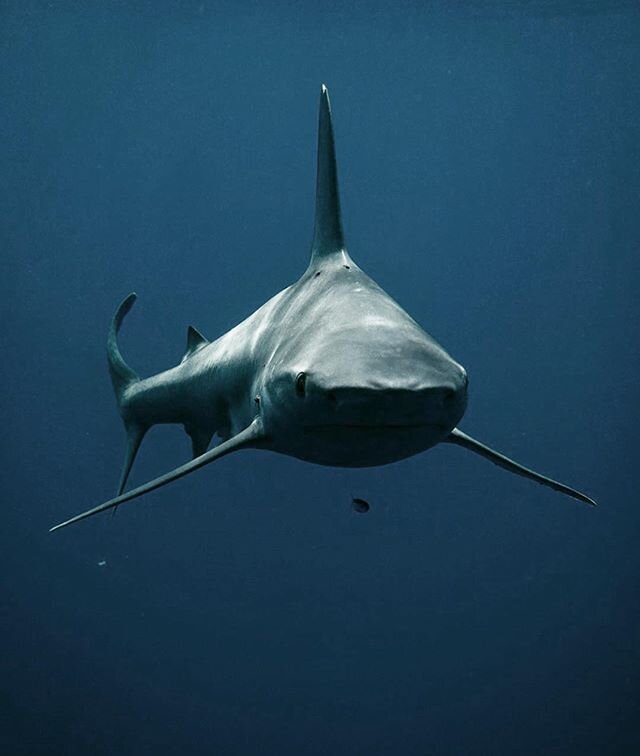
(102, 563)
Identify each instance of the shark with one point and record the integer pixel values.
(331, 370)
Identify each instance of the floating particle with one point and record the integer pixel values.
(360, 505)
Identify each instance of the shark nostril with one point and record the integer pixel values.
(449, 396)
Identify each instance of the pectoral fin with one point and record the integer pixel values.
(250, 437)
(461, 439)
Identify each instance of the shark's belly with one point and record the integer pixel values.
(364, 446)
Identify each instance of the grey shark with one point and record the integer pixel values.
(331, 370)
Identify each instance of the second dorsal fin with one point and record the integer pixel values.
(195, 341)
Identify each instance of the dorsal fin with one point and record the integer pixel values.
(195, 340)
(328, 237)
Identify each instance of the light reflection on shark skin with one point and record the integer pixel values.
(331, 370)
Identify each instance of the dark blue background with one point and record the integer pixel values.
(490, 172)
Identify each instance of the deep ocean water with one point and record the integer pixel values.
(490, 180)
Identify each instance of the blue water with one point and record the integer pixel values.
(490, 174)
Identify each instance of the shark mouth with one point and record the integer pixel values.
(368, 426)
(378, 429)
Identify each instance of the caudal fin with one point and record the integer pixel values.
(122, 377)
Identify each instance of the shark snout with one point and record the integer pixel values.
(437, 406)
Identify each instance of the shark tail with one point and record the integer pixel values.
(122, 378)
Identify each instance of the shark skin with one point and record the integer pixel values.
(331, 370)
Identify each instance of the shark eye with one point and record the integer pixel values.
(301, 380)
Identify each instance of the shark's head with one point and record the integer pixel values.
(356, 381)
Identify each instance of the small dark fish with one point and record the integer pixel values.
(360, 505)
